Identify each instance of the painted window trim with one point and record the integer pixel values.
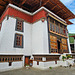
(22, 26)
(15, 46)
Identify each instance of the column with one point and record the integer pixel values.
(74, 44)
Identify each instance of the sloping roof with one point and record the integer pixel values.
(55, 6)
(71, 39)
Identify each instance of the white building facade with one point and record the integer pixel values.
(24, 36)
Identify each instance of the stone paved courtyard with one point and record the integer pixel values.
(33, 71)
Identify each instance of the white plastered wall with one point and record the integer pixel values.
(8, 35)
(28, 38)
(7, 43)
(40, 38)
(4, 66)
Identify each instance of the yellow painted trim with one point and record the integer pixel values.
(57, 19)
(58, 34)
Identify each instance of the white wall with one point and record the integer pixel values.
(8, 35)
(4, 66)
(7, 43)
(28, 38)
(45, 38)
(35, 37)
(46, 65)
(40, 37)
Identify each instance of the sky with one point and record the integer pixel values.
(70, 4)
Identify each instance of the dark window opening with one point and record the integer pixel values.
(10, 63)
(37, 62)
(55, 62)
(5, 59)
(0, 59)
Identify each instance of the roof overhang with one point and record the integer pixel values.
(56, 6)
(32, 14)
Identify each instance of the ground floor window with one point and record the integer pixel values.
(10, 58)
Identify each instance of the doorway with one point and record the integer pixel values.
(27, 60)
(58, 42)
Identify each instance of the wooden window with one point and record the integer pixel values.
(61, 30)
(18, 41)
(57, 26)
(5, 59)
(10, 58)
(64, 30)
(19, 25)
(51, 20)
(51, 26)
(13, 59)
(0, 59)
(56, 29)
(20, 59)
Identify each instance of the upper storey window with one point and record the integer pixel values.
(19, 25)
(56, 26)
(52, 27)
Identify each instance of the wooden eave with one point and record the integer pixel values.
(55, 6)
(69, 23)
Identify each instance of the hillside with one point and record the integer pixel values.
(71, 38)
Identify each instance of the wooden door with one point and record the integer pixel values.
(27, 60)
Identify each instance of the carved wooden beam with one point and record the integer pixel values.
(23, 2)
(59, 11)
(54, 7)
(45, 3)
(70, 17)
(21, 6)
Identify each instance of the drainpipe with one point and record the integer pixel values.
(68, 43)
(74, 44)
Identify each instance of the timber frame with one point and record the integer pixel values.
(57, 31)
